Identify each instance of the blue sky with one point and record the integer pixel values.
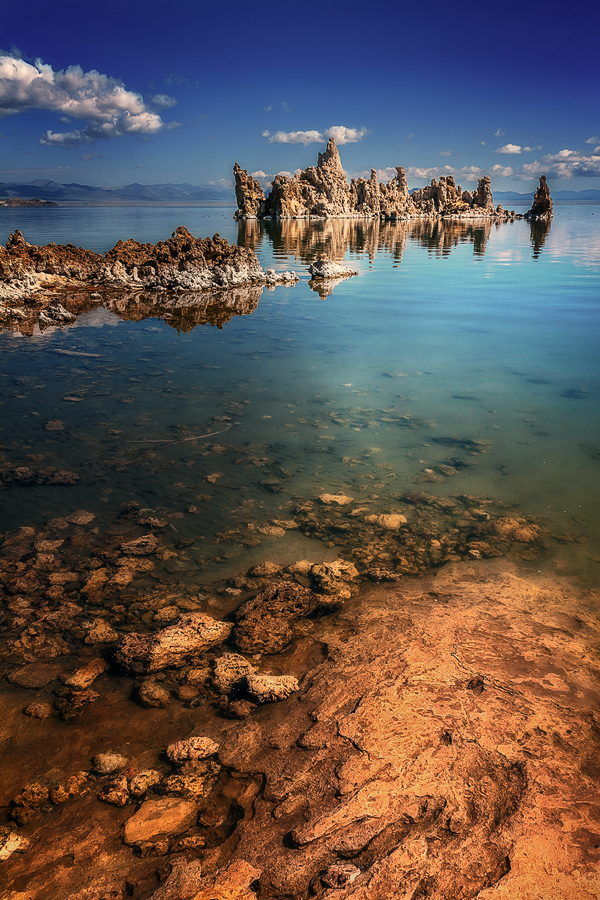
(174, 92)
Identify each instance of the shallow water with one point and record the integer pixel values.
(471, 333)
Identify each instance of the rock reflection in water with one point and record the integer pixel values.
(185, 311)
(332, 238)
(539, 232)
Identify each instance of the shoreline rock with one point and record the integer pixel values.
(323, 192)
(181, 263)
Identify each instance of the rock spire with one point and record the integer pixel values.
(323, 192)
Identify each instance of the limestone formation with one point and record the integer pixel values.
(181, 263)
(541, 208)
(193, 634)
(322, 192)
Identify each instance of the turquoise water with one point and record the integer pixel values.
(476, 333)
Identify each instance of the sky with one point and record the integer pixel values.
(109, 93)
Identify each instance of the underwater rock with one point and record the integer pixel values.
(107, 763)
(230, 671)
(263, 623)
(269, 688)
(153, 695)
(339, 499)
(157, 818)
(191, 749)
(191, 635)
(234, 882)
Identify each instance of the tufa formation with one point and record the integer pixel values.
(323, 192)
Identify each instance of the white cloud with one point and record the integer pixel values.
(465, 173)
(88, 156)
(343, 135)
(502, 171)
(139, 166)
(509, 149)
(108, 109)
(592, 140)
(531, 149)
(564, 164)
(445, 152)
(340, 133)
(259, 174)
(409, 136)
(173, 125)
(285, 172)
(499, 133)
(163, 101)
(62, 139)
(294, 137)
(481, 144)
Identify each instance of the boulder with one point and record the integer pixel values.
(172, 646)
(159, 818)
(191, 749)
(268, 688)
(107, 763)
(263, 623)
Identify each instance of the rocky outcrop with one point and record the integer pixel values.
(181, 263)
(322, 191)
(541, 208)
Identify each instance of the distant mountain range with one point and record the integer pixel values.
(589, 196)
(202, 193)
(153, 193)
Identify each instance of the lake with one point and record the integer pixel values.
(451, 333)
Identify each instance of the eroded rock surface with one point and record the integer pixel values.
(322, 191)
(181, 263)
(541, 208)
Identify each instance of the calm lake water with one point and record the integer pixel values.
(463, 332)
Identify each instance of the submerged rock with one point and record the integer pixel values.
(193, 634)
(158, 818)
(263, 623)
(267, 688)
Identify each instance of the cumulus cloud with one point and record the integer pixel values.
(62, 139)
(564, 164)
(343, 135)
(173, 125)
(502, 171)
(465, 173)
(409, 136)
(515, 149)
(163, 101)
(259, 174)
(499, 132)
(107, 107)
(340, 133)
(509, 149)
(592, 140)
